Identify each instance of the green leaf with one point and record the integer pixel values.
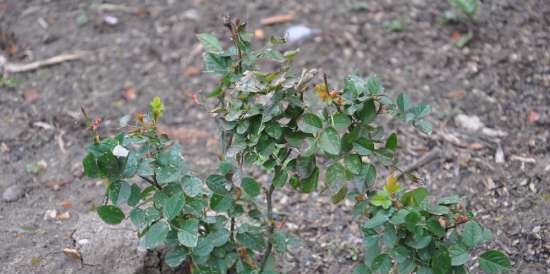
(441, 262)
(361, 269)
(374, 86)
(90, 166)
(204, 247)
(379, 219)
(330, 141)
(340, 121)
(272, 54)
(191, 185)
(390, 235)
(382, 264)
(131, 165)
(219, 237)
(424, 270)
(280, 177)
(372, 248)
(414, 197)
(449, 200)
(399, 217)
(108, 165)
(403, 102)
(251, 240)
(381, 198)
(188, 234)
(305, 166)
(423, 126)
(173, 205)
(155, 235)
(110, 214)
(340, 195)
(391, 143)
(368, 112)
(412, 219)
(217, 65)
(472, 234)
(142, 218)
(420, 243)
(353, 163)
(406, 267)
(421, 110)
(221, 203)
(494, 261)
(279, 240)
(250, 186)
(310, 123)
(354, 87)
(175, 257)
(438, 209)
(309, 184)
(363, 146)
(216, 183)
(335, 177)
(468, 7)
(167, 174)
(459, 255)
(210, 43)
(135, 195)
(157, 108)
(274, 130)
(435, 227)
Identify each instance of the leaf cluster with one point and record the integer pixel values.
(304, 133)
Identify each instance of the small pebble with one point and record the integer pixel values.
(13, 193)
(111, 20)
(298, 33)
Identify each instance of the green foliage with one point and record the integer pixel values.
(299, 131)
(467, 7)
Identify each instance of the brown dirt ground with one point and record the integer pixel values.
(501, 76)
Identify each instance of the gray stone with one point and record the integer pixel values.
(469, 123)
(13, 193)
(108, 249)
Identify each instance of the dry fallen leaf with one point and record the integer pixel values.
(36, 261)
(533, 117)
(475, 146)
(31, 96)
(72, 253)
(129, 93)
(456, 36)
(456, 94)
(67, 204)
(64, 216)
(259, 34)
(191, 71)
(56, 184)
(278, 19)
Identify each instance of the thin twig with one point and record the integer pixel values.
(424, 160)
(151, 182)
(271, 228)
(14, 68)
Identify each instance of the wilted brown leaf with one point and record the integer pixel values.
(72, 253)
(129, 93)
(67, 204)
(191, 71)
(31, 96)
(533, 117)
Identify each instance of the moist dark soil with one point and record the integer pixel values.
(502, 76)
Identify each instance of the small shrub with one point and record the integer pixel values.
(298, 131)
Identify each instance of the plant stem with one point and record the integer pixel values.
(271, 228)
(152, 182)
